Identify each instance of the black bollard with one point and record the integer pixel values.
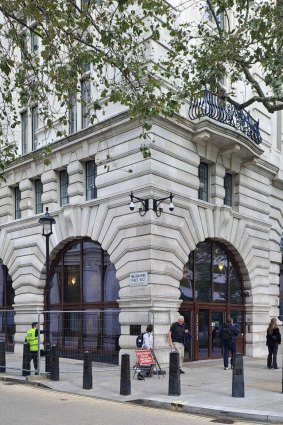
(125, 380)
(47, 358)
(2, 357)
(26, 360)
(174, 375)
(87, 376)
(238, 386)
(54, 371)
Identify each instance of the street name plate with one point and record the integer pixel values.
(138, 279)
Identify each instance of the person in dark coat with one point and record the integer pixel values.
(273, 339)
(228, 336)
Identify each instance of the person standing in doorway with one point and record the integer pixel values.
(32, 340)
(176, 338)
(228, 336)
(273, 339)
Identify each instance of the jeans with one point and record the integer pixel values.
(226, 349)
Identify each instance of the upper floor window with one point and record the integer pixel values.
(38, 193)
(228, 186)
(33, 42)
(64, 181)
(24, 132)
(17, 203)
(203, 181)
(91, 192)
(209, 15)
(85, 100)
(34, 127)
(73, 114)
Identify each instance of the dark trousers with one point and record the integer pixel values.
(272, 356)
(226, 349)
(33, 357)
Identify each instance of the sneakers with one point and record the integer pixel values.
(181, 371)
(140, 376)
(225, 368)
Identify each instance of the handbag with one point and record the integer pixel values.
(187, 337)
(274, 338)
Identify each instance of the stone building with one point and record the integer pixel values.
(217, 254)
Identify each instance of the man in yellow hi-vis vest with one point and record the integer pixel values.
(32, 340)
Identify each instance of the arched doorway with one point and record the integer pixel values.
(83, 302)
(7, 295)
(212, 291)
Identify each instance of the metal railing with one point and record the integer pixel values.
(209, 105)
(73, 333)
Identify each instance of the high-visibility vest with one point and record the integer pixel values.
(32, 340)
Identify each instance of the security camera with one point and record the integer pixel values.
(171, 206)
(132, 206)
(246, 292)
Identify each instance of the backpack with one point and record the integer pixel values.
(226, 334)
(139, 340)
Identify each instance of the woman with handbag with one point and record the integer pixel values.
(273, 338)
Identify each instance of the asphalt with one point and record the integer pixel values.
(206, 388)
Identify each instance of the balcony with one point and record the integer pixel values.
(212, 107)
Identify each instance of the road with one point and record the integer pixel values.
(30, 405)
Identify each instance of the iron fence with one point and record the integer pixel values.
(73, 333)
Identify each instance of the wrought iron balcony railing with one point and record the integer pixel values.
(211, 106)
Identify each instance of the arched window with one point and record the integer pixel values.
(212, 291)
(7, 294)
(83, 301)
(211, 275)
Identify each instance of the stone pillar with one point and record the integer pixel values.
(6, 205)
(50, 194)
(217, 184)
(76, 184)
(27, 198)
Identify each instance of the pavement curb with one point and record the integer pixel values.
(208, 411)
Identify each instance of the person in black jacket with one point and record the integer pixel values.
(228, 336)
(273, 338)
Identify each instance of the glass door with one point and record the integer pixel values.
(202, 334)
(208, 322)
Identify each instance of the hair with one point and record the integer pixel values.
(149, 328)
(181, 318)
(34, 324)
(272, 325)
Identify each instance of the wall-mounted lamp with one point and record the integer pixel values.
(221, 266)
(155, 204)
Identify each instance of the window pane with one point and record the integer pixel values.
(72, 284)
(111, 283)
(2, 283)
(90, 180)
(91, 272)
(186, 284)
(203, 182)
(24, 129)
(236, 294)
(219, 274)
(34, 126)
(64, 181)
(73, 114)
(55, 285)
(228, 189)
(17, 203)
(38, 193)
(203, 272)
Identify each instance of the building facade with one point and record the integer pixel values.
(216, 255)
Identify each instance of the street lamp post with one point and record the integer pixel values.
(47, 221)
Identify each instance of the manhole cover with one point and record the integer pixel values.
(223, 421)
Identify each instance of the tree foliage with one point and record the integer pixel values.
(121, 39)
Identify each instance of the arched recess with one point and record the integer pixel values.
(212, 290)
(7, 295)
(83, 293)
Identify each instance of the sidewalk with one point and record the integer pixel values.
(206, 388)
